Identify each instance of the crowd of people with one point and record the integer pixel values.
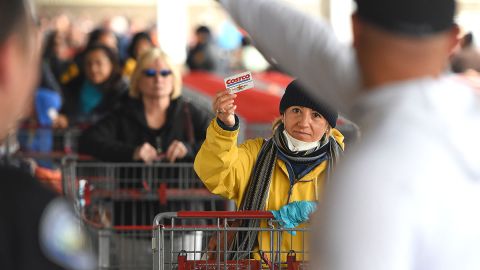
(404, 197)
(87, 73)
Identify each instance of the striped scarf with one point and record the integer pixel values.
(256, 193)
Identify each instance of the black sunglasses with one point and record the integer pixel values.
(153, 72)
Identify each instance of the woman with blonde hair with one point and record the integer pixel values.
(155, 123)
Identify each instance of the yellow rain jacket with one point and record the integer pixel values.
(225, 169)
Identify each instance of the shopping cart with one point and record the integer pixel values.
(38, 139)
(39, 150)
(117, 203)
(217, 238)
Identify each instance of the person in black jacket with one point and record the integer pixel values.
(98, 90)
(202, 56)
(38, 230)
(54, 55)
(156, 122)
(140, 43)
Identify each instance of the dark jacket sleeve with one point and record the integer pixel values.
(71, 93)
(100, 141)
(201, 57)
(200, 121)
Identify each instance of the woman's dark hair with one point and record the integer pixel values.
(49, 44)
(112, 56)
(96, 34)
(133, 44)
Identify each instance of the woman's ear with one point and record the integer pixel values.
(327, 131)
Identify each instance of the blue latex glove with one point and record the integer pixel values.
(292, 214)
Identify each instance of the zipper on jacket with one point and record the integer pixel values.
(290, 191)
(292, 183)
(295, 180)
(291, 187)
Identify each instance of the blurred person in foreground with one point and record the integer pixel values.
(37, 229)
(285, 173)
(406, 196)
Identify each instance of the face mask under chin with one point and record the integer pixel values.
(296, 145)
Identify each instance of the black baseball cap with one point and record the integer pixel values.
(409, 17)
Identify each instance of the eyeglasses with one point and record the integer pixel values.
(153, 72)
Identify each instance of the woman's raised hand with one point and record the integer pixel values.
(224, 107)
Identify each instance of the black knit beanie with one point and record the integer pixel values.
(295, 95)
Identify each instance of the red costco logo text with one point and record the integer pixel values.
(239, 79)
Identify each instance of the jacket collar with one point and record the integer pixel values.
(309, 176)
(134, 109)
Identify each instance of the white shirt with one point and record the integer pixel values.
(408, 195)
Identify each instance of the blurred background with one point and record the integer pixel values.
(176, 21)
(80, 36)
(202, 41)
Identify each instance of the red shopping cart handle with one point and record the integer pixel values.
(225, 214)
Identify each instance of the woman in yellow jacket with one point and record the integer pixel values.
(260, 174)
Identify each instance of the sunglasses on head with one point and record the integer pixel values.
(153, 72)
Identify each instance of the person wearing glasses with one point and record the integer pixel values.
(155, 123)
(98, 90)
